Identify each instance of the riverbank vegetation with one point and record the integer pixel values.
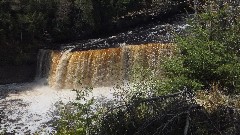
(198, 94)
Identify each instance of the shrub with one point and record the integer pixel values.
(78, 117)
(209, 52)
(171, 114)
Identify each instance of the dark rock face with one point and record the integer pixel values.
(17, 74)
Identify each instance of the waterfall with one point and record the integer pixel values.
(25, 108)
(61, 70)
(104, 67)
(43, 64)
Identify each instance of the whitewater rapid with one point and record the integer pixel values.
(29, 107)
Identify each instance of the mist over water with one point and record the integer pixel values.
(30, 107)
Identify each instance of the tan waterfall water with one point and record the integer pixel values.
(103, 67)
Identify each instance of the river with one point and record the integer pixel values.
(27, 108)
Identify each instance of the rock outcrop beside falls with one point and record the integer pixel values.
(17, 74)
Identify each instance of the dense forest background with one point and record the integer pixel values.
(27, 25)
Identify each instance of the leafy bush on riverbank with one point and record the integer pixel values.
(209, 53)
(79, 117)
(137, 114)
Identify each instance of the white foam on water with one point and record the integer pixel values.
(31, 107)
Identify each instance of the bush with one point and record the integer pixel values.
(136, 114)
(78, 117)
(208, 53)
(172, 114)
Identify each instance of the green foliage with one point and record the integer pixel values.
(209, 52)
(135, 113)
(78, 117)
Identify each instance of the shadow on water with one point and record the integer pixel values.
(15, 88)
